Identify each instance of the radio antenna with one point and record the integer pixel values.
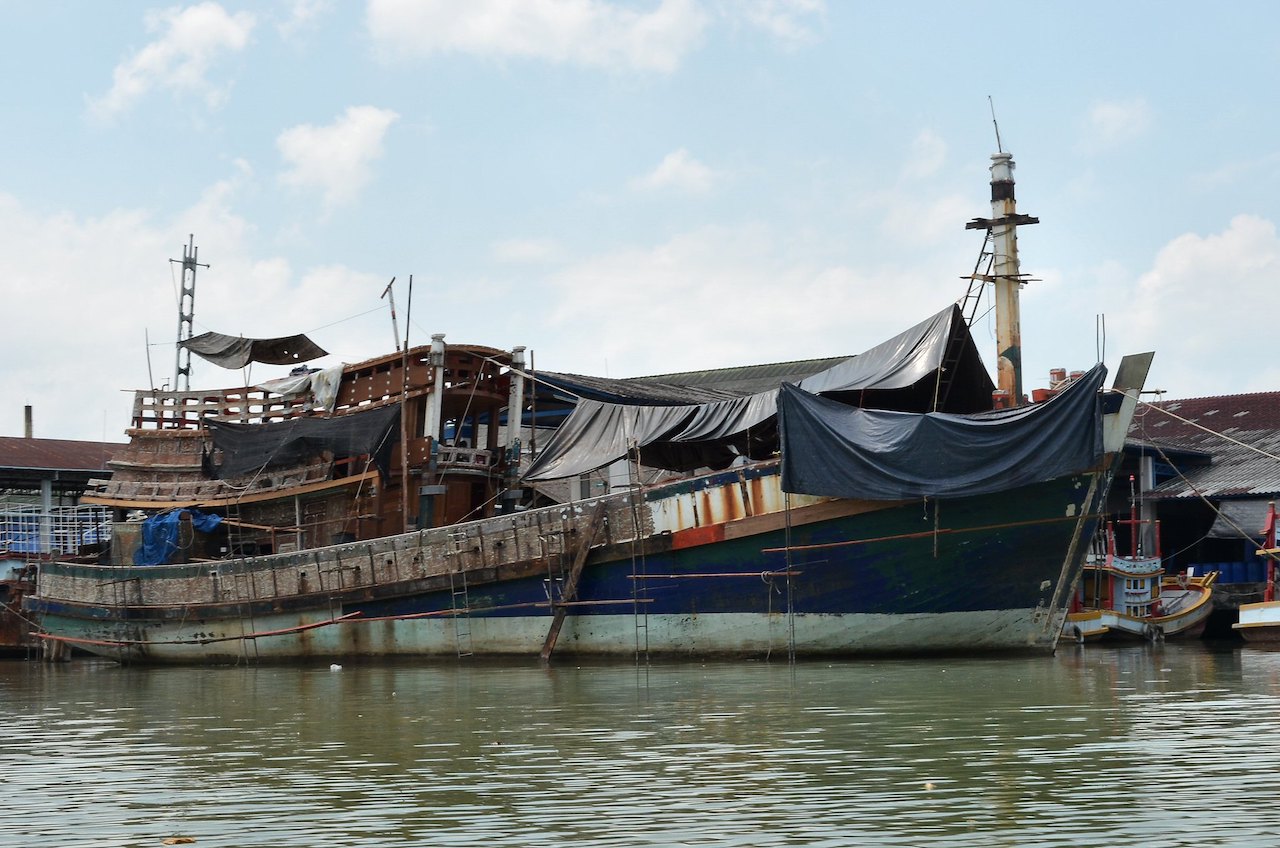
(991, 103)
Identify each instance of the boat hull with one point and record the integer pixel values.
(1193, 606)
(1259, 622)
(720, 565)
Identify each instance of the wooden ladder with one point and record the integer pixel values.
(570, 592)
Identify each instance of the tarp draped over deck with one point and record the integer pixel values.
(835, 450)
(322, 385)
(246, 448)
(901, 373)
(237, 351)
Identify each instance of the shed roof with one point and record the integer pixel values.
(1240, 432)
(55, 454)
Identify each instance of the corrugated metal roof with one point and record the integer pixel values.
(57, 454)
(1241, 425)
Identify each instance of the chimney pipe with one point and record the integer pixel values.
(26, 417)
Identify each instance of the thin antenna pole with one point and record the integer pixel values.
(146, 338)
(390, 295)
(992, 104)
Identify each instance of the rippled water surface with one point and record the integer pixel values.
(1168, 746)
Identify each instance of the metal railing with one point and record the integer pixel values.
(28, 531)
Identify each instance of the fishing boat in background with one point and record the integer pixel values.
(17, 579)
(1131, 597)
(894, 502)
(1260, 622)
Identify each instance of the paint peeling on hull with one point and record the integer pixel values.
(846, 578)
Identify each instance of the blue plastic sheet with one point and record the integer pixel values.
(160, 539)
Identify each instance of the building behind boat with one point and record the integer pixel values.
(42, 518)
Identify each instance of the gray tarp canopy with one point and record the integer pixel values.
(835, 450)
(1249, 514)
(900, 372)
(237, 351)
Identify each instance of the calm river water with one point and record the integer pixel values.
(1161, 746)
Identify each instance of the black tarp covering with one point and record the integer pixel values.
(237, 351)
(1250, 515)
(840, 451)
(899, 373)
(249, 447)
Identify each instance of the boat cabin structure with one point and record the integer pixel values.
(404, 441)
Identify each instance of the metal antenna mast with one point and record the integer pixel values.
(992, 104)
(186, 315)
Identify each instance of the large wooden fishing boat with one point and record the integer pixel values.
(877, 504)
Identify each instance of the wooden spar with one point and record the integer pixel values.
(570, 593)
(389, 292)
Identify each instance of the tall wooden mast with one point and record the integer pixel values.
(1006, 274)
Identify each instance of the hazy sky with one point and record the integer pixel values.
(626, 188)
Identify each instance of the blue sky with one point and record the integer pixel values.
(626, 188)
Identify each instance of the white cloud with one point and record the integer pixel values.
(335, 159)
(302, 15)
(790, 21)
(525, 251)
(100, 317)
(188, 42)
(928, 155)
(1204, 308)
(1113, 123)
(583, 32)
(678, 171)
(724, 296)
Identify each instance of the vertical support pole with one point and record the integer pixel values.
(46, 516)
(435, 401)
(515, 421)
(1007, 276)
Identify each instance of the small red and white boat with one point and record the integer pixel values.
(1260, 622)
(1132, 598)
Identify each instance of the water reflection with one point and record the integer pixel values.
(1145, 745)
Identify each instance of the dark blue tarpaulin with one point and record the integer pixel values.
(840, 451)
(160, 534)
